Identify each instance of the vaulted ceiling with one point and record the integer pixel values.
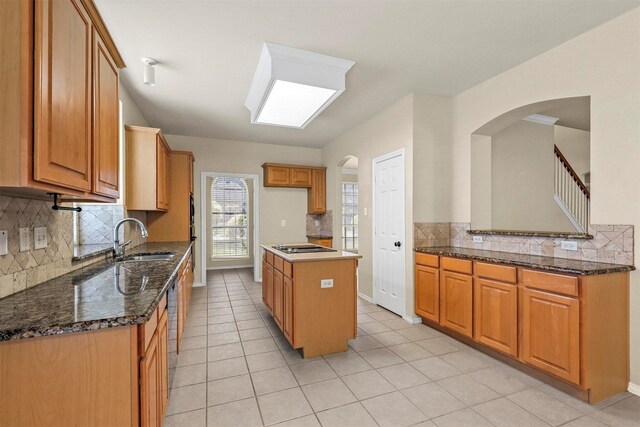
(208, 51)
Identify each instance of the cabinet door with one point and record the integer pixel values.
(162, 175)
(150, 386)
(278, 297)
(288, 309)
(496, 315)
(106, 147)
(551, 333)
(300, 177)
(317, 194)
(277, 176)
(163, 365)
(456, 302)
(427, 293)
(62, 95)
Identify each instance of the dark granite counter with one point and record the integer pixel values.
(101, 295)
(83, 252)
(546, 234)
(560, 265)
(319, 236)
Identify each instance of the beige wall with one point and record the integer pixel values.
(229, 262)
(388, 131)
(603, 64)
(575, 147)
(276, 204)
(481, 195)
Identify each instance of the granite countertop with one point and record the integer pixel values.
(520, 233)
(561, 265)
(82, 252)
(92, 297)
(315, 256)
(319, 236)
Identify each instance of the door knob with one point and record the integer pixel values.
(397, 244)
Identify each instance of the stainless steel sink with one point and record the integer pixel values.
(147, 257)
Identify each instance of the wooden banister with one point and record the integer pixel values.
(573, 173)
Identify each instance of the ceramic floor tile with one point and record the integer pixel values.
(501, 379)
(410, 351)
(464, 417)
(250, 324)
(264, 361)
(396, 323)
(188, 375)
(393, 410)
(223, 338)
(622, 414)
(435, 368)
(347, 364)
(433, 400)
(467, 390)
(418, 332)
(403, 376)
(192, 357)
(283, 405)
(383, 315)
(221, 319)
(188, 398)
(380, 357)
(243, 413)
(364, 343)
(389, 338)
(312, 372)
(504, 413)
(262, 345)
(228, 390)
(374, 328)
(586, 421)
(328, 394)
(306, 421)
(218, 328)
(273, 380)
(545, 406)
(353, 415)
(226, 368)
(439, 346)
(197, 418)
(466, 361)
(192, 343)
(224, 351)
(367, 384)
(254, 334)
(251, 315)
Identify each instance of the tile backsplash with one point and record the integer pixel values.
(610, 243)
(95, 223)
(324, 227)
(20, 270)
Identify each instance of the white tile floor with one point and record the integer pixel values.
(237, 369)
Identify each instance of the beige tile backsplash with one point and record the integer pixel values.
(19, 270)
(610, 243)
(325, 224)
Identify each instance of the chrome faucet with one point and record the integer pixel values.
(118, 249)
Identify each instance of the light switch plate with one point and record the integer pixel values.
(477, 239)
(4, 249)
(25, 239)
(570, 246)
(326, 283)
(40, 237)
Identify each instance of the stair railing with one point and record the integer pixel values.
(571, 192)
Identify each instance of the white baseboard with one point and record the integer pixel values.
(413, 320)
(198, 285)
(233, 267)
(365, 297)
(634, 389)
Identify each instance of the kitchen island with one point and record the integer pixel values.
(311, 296)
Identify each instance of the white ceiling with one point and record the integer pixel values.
(208, 51)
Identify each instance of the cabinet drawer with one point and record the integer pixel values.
(278, 263)
(287, 269)
(458, 265)
(502, 273)
(557, 283)
(269, 257)
(427, 260)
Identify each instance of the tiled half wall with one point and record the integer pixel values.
(610, 243)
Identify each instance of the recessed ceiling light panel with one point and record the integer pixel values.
(292, 86)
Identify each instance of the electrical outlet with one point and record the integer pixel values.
(40, 237)
(316, 223)
(365, 211)
(4, 249)
(477, 239)
(326, 283)
(283, 223)
(570, 246)
(25, 239)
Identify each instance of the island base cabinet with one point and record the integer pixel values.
(287, 321)
(456, 302)
(278, 297)
(551, 335)
(496, 315)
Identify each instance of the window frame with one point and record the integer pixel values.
(247, 227)
(354, 216)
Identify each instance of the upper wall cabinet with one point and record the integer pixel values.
(59, 115)
(293, 176)
(147, 169)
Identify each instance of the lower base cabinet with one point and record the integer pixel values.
(456, 302)
(278, 297)
(428, 292)
(150, 400)
(551, 333)
(496, 315)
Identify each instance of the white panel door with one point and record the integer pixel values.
(388, 218)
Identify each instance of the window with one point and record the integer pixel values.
(229, 217)
(350, 217)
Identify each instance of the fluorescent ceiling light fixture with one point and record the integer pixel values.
(292, 86)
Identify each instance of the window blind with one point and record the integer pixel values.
(229, 217)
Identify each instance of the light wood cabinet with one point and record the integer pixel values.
(163, 366)
(427, 292)
(456, 302)
(300, 177)
(326, 242)
(106, 144)
(150, 405)
(496, 315)
(147, 165)
(267, 285)
(277, 176)
(287, 321)
(60, 101)
(551, 334)
(278, 297)
(317, 194)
